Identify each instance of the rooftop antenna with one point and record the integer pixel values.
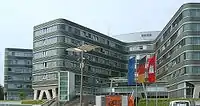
(108, 31)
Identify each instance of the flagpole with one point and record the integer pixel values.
(136, 79)
(145, 93)
(156, 94)
(156, 81)
(146, 96)
(136, 93)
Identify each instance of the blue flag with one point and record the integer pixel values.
(131, 71)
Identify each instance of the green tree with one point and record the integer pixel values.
(22, 95)
(1, 93)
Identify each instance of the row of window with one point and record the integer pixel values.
(51, 76)
(105, 61)
(191, 13)
(91, 80)
(19, 86)
(87, 56)
(92, 37)
(185, 56)
(47, 53)
(50, 64)
(76, 42)
(91, 69)
(20, 69)
(186, 27)
(19, 62)
(45, 30)
(186, 13)
(185, 41)
(172, 63)
(19, 54)
(18, 78)
(47, 41)
(141, 47)
(79, 32)
(184, 70)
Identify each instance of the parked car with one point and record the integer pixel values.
(184, 103)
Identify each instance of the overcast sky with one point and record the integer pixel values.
(17, 17)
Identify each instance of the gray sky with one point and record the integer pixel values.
(17, 17)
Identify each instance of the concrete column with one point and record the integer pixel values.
(196, 91)
(35, 94)
(54, 92)
(41, 94)
(184, 92)
(48, 95)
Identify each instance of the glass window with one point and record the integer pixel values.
(186, 27)
(193, 55)
(45, 64)
(9, 69)
(140, 47)
(186, 13)
(198, 13)
(193, 27)
(193, 12)
(77, 31)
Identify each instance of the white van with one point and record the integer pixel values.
(180, 103)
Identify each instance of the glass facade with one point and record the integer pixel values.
(64, 86)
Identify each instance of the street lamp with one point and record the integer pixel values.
(82, 49)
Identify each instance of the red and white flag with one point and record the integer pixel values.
(151, 69)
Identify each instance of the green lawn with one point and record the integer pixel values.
(161, 102)
(34, 102)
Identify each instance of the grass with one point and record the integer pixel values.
(33, 102)
(9, 100)
(161, 101)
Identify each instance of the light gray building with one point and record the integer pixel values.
(51, 39)
(178, 52)
(18, 73)
(138, 44)
(176, 47)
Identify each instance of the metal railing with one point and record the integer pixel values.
(50, 102)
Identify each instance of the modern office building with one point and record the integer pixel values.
(51, 39)
(176, 47)
(178, 52)
(18, 73)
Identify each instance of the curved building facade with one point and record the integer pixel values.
(178, 52)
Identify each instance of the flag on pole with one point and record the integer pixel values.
(141, 70)
(131, 100)
(151, 69)
(131, 71)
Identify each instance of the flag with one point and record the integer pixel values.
(130, 100)
(131, 71)
(151, 69)
(141, 70)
